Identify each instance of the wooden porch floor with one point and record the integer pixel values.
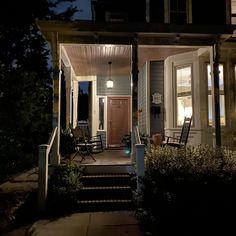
(107, 157)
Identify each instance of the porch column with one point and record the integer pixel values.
(68, 78)
(216, 95)
(135, 82)
(75, 103)
(56, 95)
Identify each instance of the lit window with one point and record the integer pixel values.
(233, 12)
(222, 97)
(184, 93)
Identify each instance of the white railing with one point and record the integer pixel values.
(139, 154)
(43, 160)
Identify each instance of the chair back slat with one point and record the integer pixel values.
(185, 130)
(84, 125)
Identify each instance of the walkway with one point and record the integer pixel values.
(89, 224)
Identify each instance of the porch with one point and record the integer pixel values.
(107, 157)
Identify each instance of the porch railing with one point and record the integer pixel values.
(45, 150)
(139, 154)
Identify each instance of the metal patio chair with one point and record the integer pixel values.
(95, 140)
(83, 146)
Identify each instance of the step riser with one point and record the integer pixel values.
(91, 169)
(96, 182)
(104, 195)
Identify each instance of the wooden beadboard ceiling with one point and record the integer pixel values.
(92, 59)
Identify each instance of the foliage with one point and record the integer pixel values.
(25, 82)
(66, 141)
(64, 187)
(192, 184)
(127, 139)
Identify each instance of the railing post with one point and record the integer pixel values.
(55, 154)
(42, 176)
(140, 163)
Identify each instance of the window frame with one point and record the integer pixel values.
(184, 94)
(167, 16)
(221, 93)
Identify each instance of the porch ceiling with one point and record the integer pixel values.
(92, 59)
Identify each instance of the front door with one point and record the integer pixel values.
(118, 120)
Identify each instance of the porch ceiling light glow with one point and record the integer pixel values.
(109, 81)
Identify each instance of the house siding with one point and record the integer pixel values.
(121, 86)
(156, 86)
(142, 96)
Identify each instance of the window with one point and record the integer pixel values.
(178, 11)
(184, 93)
(233, 11)
(101, 113)
(222, 97)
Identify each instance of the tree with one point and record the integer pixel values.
(25, 82)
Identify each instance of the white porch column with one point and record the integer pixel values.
(68, 78)
(75, 102)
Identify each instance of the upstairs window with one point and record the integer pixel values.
(233, 11)
(178, 11)
(184, 93)
(221, 92)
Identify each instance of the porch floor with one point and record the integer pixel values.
(107, 157)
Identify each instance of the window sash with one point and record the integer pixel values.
(183, 93)
(221, 93)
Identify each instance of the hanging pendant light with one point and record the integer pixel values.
(109, 81)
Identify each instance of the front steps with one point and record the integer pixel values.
(106, 192)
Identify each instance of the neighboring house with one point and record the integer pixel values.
(165, 54)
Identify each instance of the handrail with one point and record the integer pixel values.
(51, 138)
(139, 156)
(43, 160)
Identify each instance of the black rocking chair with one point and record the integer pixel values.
(182, 141)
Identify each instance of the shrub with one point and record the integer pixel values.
(64, 187)
(67, 145)
(187, 185)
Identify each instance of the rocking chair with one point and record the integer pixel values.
(182, 141)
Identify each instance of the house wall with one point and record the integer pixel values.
(201, 132)
(202, 12)
(156, 86)
(142, 99)
(122, 86)
(190, 58)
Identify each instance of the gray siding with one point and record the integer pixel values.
(103, 134)
(122, 86)
(142, 95)
(156, 86)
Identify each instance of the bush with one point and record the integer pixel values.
(67, 145)
(187, 186)
(64, 187)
